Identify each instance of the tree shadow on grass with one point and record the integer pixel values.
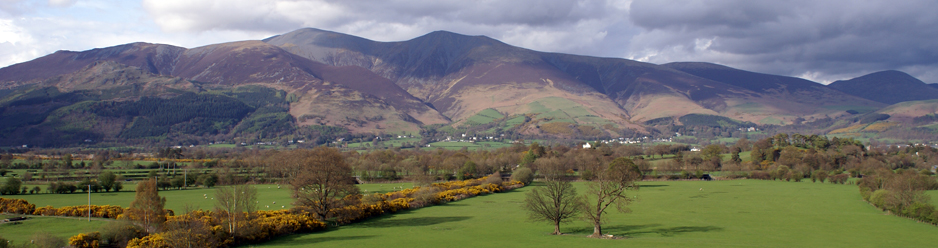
(451, 204)
(294, 240)
(666, 232)
(610, 229)
(416, 221)
(631, 230)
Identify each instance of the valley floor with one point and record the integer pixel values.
(732, 213)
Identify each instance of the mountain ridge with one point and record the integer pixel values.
(327, 78)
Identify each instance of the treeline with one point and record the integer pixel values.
(901, 192)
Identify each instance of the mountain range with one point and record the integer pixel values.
(309, 81)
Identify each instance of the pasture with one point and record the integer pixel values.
(269, 197)
(63, 227)
(733, 213)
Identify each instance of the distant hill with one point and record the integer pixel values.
(452, 72)
(887, 87)
(803, 97)
(309, 81)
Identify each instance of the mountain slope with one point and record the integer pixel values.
(803, 97)
(311, 77)
(153, 58)
(448, 69)
(357, 98)
(887, 87)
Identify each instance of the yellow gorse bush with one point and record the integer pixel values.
(16, 206)
(106, 211)
(150, 241)
(267, 225)
(85, 240)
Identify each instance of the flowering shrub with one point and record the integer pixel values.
(266, 225)
(85, 240)
(16, 206)
(275, 223)
(150, 241)
(106, 211)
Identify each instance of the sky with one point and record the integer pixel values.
(823, 41)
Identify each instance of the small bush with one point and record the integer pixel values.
(821, 175)
(586, 175)
(761, 175)
(797, 176)
(425, 197)
(494, 178)
(45, 239)
(839, 178)
(878, 198)
(523, 175)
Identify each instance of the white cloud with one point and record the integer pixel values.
(61, 3)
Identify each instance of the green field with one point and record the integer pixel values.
(485, 116)
(269, 197)
(63, 227)
(559, 109)
(732, 213)
(736, 213)
(472, 146)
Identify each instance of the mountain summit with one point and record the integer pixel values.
(887, 87)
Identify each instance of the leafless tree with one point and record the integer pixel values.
(323, 182)
(236, 203)
(189, 230)
(147, 207)
(609, 188)
(557, 200)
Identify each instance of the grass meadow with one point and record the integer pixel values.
(734, 213)
(731, 213)
(63, 227)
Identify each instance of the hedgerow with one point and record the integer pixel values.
(207, 228)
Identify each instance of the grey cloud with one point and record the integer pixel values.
(832, 40)
(582, 27)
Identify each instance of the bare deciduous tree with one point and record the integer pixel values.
(189, 230)
(237, 203)
(324, 180)
(147, 207)
(609, 188)
(557, 200)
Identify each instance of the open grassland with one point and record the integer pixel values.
(485, 116)
(63, 227)
(269, 197)
(735, 213)
(732, 213)
(471, 146)
(559, 109)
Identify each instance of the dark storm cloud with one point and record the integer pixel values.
(593, 27)
(824, 40)
(818, 40)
